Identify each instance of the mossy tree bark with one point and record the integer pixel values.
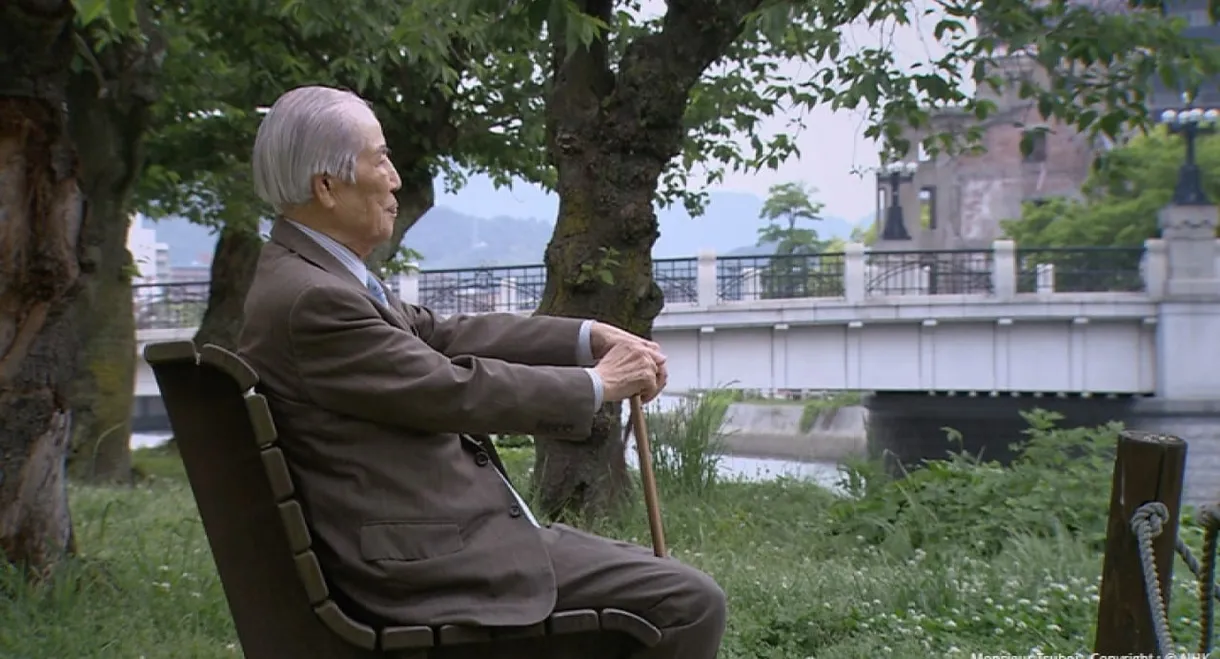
(40, 274)
(110, 100)
(610, 134)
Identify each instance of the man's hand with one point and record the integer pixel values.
(603, 337)
(629, 369)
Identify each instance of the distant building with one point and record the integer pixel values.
(961, 201)
(151, 258)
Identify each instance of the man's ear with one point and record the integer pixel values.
(323, 190)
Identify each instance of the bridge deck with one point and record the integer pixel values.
(1086, 343)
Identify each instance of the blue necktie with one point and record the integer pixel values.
(376, 289)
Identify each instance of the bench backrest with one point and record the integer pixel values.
(276, 592)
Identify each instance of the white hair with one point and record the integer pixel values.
(309, 131)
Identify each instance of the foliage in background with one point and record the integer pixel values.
(1121, 198)
(1058, 485)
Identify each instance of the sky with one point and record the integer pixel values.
(832, 143)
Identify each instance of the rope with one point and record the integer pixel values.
(1209, 592)
(1207, 581)
(1147, 523)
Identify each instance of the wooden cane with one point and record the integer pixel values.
(650, 480)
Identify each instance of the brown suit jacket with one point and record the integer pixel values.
(375, 404)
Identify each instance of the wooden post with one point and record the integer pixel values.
(1147, 467)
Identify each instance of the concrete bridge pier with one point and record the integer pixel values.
(907, 427)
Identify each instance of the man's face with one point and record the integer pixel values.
(364, 211)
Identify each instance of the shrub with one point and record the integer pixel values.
(1058, 484)
(686, 442)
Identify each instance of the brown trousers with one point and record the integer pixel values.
(595, 572)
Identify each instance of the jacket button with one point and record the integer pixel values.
(514, 510)
(481, 459)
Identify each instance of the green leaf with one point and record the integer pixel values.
(88, 11)
(123, 15)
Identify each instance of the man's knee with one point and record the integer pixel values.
(696, 598)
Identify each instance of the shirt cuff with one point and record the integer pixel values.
(584, 345)
(599, 390)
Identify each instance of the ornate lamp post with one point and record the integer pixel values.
(1190, 122)
(895, 173)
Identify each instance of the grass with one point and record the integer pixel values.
(979, 558)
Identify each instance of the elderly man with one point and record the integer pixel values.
(383, 409)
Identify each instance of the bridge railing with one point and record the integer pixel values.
(930, 272)
(1079, 269)
(854, 275)
(169, 305)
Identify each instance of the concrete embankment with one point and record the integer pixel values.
(773, 430)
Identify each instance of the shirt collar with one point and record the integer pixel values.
(345, 256)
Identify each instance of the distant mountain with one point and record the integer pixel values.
(449, 238)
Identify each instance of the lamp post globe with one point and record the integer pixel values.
(1190, 122)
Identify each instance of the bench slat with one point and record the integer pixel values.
(277, 473)
(232, 365)
(259, 413)
(311, 574)
(294, 522)
(459, 634)
(614, 620)
(531, 631)
(362, 636)
(573, 622)
(407, 638)
(170, 351)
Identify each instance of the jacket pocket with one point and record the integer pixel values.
(409, 541)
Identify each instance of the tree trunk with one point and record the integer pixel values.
(232, 271)
(110, 100)
(610, 135)
(40, 271)
(104, 390)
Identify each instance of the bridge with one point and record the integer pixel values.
(957, 338)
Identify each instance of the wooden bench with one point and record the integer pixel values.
(281, 602)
